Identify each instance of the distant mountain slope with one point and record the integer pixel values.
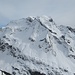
(37, 46)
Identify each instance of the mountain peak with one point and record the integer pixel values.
(30, 19)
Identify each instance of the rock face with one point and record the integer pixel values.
(37, 46)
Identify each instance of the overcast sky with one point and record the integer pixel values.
(62, 11)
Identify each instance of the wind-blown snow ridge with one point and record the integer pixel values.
(37, 46)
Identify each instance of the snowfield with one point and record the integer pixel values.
(37, 46)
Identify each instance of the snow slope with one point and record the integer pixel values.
(37, 46)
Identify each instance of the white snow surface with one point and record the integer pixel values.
(40, 45)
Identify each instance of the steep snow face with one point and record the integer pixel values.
(37, 46)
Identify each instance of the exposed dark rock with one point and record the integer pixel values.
(71, 29)
(51, 20)
(42, 39)
(31, 39)
(6, 73)
(57, 40)
(65, 70)
(63, 37)
(36, 73)
(13, 73)
(4, 36)
(29, 19)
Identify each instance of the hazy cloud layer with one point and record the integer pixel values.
(62, 11)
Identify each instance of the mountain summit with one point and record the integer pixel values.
(37, 46)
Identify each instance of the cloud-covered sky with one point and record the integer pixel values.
(62, 11)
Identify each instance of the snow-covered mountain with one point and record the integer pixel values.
(37, 46)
